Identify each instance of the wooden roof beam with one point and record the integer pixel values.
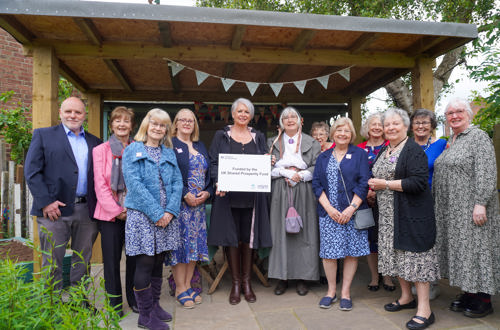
(423, 45)
(239, 32)
(16, 29)
(89, 29)
(174, 80)
(115, 67)
(363, 42)
(165, 34)
(302, 40)
(299, 45)
(72, 77)
(217, 96)
(245, 55)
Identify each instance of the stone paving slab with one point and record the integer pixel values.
(291, 311)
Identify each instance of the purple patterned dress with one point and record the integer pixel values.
(192, 223)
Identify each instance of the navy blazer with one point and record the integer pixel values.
(355, 171)
(181, 151)
(51, 171)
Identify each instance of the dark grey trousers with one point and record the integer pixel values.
(82, 231)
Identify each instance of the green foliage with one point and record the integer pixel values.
(65, 89)
(489, 71)
(14, 127)
(39, 305)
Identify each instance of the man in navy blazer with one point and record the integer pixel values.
(59, 172)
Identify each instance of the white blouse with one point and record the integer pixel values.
(291, 158)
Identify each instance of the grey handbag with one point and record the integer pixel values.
(293, 221)
(363, 219)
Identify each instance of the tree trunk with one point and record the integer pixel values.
(402, 96)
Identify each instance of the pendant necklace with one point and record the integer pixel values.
(397, 145)
(427, 145)
(290, 141)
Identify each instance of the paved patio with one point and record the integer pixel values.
(291, 311)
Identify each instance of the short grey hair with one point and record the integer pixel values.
(424, 113)
(287, 111)
(365, 128)
(458, 102)
(246, 102)
(399, 112)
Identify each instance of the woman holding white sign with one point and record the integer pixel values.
(239, 220)
(293, 256)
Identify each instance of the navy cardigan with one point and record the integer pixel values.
(181, 151)
(355, 171)
(414, 221)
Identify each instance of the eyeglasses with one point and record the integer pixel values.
(157, 125)
(456, 112)
(186, 121)
(292, 117)
(342, 130)
(319, 135)
(423, 123)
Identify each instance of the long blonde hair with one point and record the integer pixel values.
(162, 117)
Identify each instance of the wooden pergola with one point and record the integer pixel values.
(112, 51)
(121, 52)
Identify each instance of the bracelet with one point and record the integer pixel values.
(387, 185)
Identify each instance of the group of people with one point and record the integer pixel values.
(434, 202)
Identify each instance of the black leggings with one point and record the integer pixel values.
(147, 267)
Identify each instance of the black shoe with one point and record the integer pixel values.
(281, 287)
(411, 324)
(461, 302)
(396, 306)
(478, 308)
(302, 288)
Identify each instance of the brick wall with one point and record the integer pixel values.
(16, 70)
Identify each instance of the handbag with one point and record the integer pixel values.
(293, 221)
(363, 219)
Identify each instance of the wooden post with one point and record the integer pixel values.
(16, 212)
(5, 195)
(355, 109)
(94, 120)
(44, 110)
(422, 82)
(29, 218)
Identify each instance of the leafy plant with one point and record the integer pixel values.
(40, 305)
(14, 127)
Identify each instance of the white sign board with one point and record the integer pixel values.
(239, 172)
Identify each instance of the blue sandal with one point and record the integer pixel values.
(193, 294)
(184, 298)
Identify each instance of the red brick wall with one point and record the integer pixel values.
(16, 70)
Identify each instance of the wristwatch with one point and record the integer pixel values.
(354, 205)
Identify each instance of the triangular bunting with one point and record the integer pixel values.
(252, 86)
(301, 85)
(276, 88)
(346, 73)
(227, 83)
(324, 80)
(176, 68)
(200, 76)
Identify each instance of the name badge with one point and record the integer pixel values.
(348, 156)
(179, 150)
(138, 154)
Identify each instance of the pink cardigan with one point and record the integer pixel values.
(107, 208)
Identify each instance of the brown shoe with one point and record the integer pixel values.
(302, 288)
(281, 287)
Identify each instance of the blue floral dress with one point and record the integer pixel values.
(142, 236)
(338, 241)
(192, 222)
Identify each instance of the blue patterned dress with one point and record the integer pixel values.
(142, 236)
(338, 241)
(192, 223)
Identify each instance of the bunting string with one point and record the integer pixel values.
(253, 85)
